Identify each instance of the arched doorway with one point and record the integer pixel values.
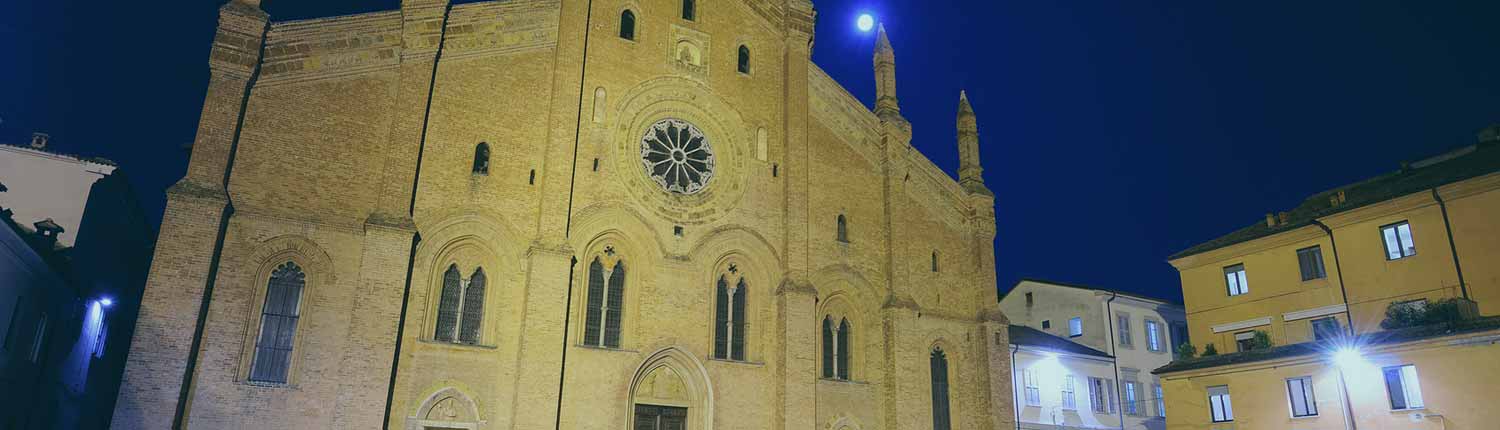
(670, 391)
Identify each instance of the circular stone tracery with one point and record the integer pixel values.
(677, 156)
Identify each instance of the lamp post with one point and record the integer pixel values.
(1347, 358)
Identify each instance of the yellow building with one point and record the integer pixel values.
(564, 214)
(1280, 300)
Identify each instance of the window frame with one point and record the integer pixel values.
(257, 329)
(634, 33)
(1160, 399)
(1122, 330)
(1408, 387)
(1314, 260)
(743, 61)
(1225, 407)
(1131, 401)
(689, 11)
(1075, 327)
(1242, 281)
(1402, 251)
(1308, 394)
(1153, 335)
(1032, 389)
(1334, 332)
(1069, 395)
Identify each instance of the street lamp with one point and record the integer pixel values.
(1347, 358)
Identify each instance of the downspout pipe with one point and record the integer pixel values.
(583, 70)
(1343, 292)
(1463, 287)
(1015, 401)
(1109, 318)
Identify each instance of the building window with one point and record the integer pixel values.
(38, 339)
(1029, 300)
(1300, 392)
(1235, 277)
(627, 25)
(689, 10)
(1325, 328)
(1075, 327)
(1101, 395)
(1244, 340)
(1179, 333)
(934, 261)
(1068, 402)
(278, 324)
(606, 299)
(939, 363)
(482, 159)
(729, 327)
(1046, 324)
(1153, 336)
(1402, 386)
(744, 63)
(1310, 260)
(1033, 389)
(460, 307)
(652, 417)
(1122, 326)
(1161, 400)
(1398, 241)
(835, 349)
(1218, 404)
(843, 229)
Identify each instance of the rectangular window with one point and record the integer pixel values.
(1101, 396)
(1075, 327)
(1402, 386)
(1398, 241)
(1234, 276)
(1244, 340)
(1325, 328)
(1130, 399)
(1033, 390)
(1161, 401)
(1123, 327)
(1179, 334)
(1218, 404)
(1046, 324)
(1300, 392)
(1068, 402)
(1029, 300)
(1153, 336)
(1310, 260)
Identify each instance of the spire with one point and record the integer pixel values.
(969, 172)
(886, 104)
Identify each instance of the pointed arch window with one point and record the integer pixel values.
(627, 25)
(843, 229)
(606, 299)
(278, 324)
(482, 159)
(939, 363)
(689, 10)
(836, 349)
(729, 322)
(460, 307)
(744, 63)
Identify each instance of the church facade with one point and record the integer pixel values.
(528, 214)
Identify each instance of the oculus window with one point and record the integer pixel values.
(677, 156)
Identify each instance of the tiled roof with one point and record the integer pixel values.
(1468, 162)
(1310, 348)
(96, 160)
(1027, 336)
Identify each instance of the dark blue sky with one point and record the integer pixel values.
(1113, 133)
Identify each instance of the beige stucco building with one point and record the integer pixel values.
(528, 214)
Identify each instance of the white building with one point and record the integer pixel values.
(1060, 384)
(1139, 332)
(44, 184)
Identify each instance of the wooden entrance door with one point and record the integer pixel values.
(652, 417)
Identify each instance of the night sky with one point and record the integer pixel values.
(1114, 133)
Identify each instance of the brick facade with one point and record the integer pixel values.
(354, 160)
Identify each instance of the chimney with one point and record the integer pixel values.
(39, 140)
(1489, 135)
(1284, 217)
(1270, 219)
(48, 230)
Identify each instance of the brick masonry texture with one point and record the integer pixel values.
(352, 158)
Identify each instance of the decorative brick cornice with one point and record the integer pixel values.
(236, 49)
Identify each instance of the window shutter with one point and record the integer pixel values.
(827, 348)
(737, 344)
(594, 315)
(939, 363)
(721, 319)
(843, 347)
(616, 304)
(473, 312)
(448, 298)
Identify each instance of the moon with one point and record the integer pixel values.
(866, 22)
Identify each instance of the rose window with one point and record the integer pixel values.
(677, 156)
